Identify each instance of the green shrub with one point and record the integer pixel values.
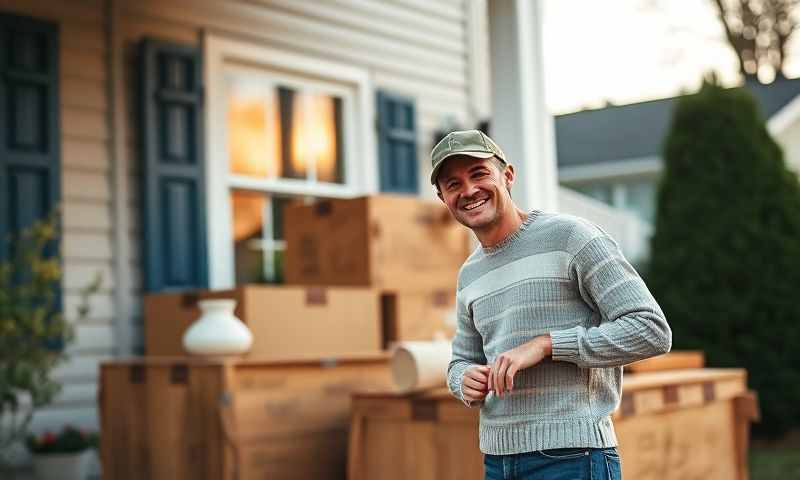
(725, 263)
(33, 330)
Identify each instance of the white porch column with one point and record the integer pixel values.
(520, 122)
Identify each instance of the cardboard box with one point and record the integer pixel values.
(312, 322)
(286, 321)
(389, 242)
(417, 315)
(227, 419)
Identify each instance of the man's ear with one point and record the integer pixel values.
(508, 175)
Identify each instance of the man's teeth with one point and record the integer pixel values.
(474, 205)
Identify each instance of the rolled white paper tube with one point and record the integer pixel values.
(420, 365)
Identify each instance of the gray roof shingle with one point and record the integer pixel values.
(637, 130)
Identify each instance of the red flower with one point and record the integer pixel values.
(49, 438)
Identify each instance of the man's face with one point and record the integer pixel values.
(475, 191)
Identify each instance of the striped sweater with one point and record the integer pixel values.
(564, 276)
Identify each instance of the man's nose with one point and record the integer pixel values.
(470, 189)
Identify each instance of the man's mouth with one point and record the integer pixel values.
(476, 204)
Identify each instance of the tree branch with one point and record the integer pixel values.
(729, 34)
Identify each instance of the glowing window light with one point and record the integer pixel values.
(314, 136)
(254, 133)
(248, 210)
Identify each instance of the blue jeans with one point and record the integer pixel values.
(556, 464)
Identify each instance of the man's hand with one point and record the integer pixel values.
(506, 365)
(475, 385)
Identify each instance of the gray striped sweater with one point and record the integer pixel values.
(561, 275)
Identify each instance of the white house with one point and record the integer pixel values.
(171, 132)
(613, 154)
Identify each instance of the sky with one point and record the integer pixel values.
(625, 51)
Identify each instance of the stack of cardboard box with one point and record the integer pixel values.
(405, 250)
(360, 275)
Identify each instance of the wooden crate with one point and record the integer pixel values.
(678, 424)
(389, 242)
(675, 360)
(226, 419)
(424, 436)
(286, 321)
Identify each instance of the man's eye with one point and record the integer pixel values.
(451, 186)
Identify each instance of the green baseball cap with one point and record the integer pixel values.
(473, 143)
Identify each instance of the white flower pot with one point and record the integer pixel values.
(217, 331)
(62, 466)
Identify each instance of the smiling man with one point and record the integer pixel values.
(549, 311)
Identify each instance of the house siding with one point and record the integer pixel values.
(789, 140)
(86, 199)
(417, 49)
(410, 47)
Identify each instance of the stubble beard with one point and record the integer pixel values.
(484, 221)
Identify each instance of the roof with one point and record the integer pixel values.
(637, 130)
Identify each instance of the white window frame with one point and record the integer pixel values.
(223, 54)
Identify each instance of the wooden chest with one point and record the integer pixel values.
(225, 419)
(671, 425)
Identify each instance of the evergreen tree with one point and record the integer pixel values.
(725, 263)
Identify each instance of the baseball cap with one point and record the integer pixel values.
(473, 143)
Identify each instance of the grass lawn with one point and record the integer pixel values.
(776, 460)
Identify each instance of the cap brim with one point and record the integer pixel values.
(481, 155)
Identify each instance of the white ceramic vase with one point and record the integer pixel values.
(62, 466)
(217, 331)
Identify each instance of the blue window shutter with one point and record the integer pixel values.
(30, 144)
(30, 137)
(173, 171)
(397, 143)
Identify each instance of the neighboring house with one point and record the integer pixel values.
(613, 154)
(172, 132)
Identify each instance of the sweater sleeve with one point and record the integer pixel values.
(632, 326)
(467, 351)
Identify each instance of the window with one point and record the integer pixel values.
(640, 198)
(598, 191)
(284, 135)
(282, 127)
(279, 129)
(637, 196)
(258, 236)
